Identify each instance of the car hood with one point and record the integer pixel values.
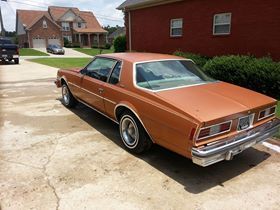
(214, 100)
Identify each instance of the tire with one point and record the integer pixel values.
(16, 61)
(133, 135)
(68, 99)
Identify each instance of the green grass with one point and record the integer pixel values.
(92, 51)
(62, 62)
(31, 52)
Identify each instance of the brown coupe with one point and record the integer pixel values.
(169, 101)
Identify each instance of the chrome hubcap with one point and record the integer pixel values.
(129, 132)
(65, 94)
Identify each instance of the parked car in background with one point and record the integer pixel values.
(8, 50)
(55, 49)
(168, 100)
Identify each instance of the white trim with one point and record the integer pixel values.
(171, 28)
(214, 24)
(129, 30)
(202, 128)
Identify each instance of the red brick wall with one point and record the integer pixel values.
(38, 31)
(255, 28)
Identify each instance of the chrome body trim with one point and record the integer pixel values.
(225, 149)
(215, 133)
(124, 105)
(106, 99)
(98, 111)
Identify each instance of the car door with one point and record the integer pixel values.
(93, 81)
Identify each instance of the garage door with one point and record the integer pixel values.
(39, 43)
(54, 41)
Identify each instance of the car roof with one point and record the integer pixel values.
(134, 57)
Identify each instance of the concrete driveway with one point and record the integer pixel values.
(69, 53)
(55, 158)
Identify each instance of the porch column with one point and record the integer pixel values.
(98, 40)
(89, 40)
(106, 38)
(80, 38)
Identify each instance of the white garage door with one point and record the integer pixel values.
(39, 43)
(53, 41)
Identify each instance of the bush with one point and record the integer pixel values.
(66, 42)
(261, 75)
(198, 59)
(120, 44)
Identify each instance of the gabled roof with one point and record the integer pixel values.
(58, 12)
(116, 33)
(29, 17)
(135, 4)
(91, 22)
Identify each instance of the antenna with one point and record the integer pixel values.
(2, 24)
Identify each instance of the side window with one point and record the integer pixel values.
(100, 68)
(115, 76)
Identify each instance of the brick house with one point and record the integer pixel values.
(210, 28)
(37, 29)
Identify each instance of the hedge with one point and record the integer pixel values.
(120, 44)
(198, 59)
(261, 75)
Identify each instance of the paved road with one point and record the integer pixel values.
(55, 158)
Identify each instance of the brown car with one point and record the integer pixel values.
(168, 100)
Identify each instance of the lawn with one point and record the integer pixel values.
(93, 51)
(62, 62)
(278, 109)
(31, 52)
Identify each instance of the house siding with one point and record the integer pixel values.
(255, 28)
(37, 31)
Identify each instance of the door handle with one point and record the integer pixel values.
(101, 90)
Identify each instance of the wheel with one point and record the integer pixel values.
(68, 99)
(133, 135)
(16, 61)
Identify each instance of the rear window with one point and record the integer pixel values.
(5, 41)
(159, 75)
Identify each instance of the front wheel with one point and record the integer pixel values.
(68, 99)
(133, 135)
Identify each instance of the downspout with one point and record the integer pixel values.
(129, 31)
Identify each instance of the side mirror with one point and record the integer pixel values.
(84, 71)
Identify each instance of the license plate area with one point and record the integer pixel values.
(245, 123)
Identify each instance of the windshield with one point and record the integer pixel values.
(56, 46)
(158, 75)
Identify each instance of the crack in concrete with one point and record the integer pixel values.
(44, 170)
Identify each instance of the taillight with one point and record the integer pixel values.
(214, 130)
(267, 112)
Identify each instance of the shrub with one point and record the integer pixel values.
(66, 42)
(120, 44)
(200, 60)
(261, 75)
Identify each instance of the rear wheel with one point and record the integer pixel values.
(133, 135)
(68, 99)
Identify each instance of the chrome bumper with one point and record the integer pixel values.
(226, 149)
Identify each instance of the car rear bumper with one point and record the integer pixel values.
(225, 150)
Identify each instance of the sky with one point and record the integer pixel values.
(104, 10)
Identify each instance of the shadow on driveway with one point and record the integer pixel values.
(195, 179)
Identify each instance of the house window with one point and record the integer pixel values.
(79, 25)
(69, 38)
(65, 26)
(45, 24)
(176, 27)
(222, 24)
